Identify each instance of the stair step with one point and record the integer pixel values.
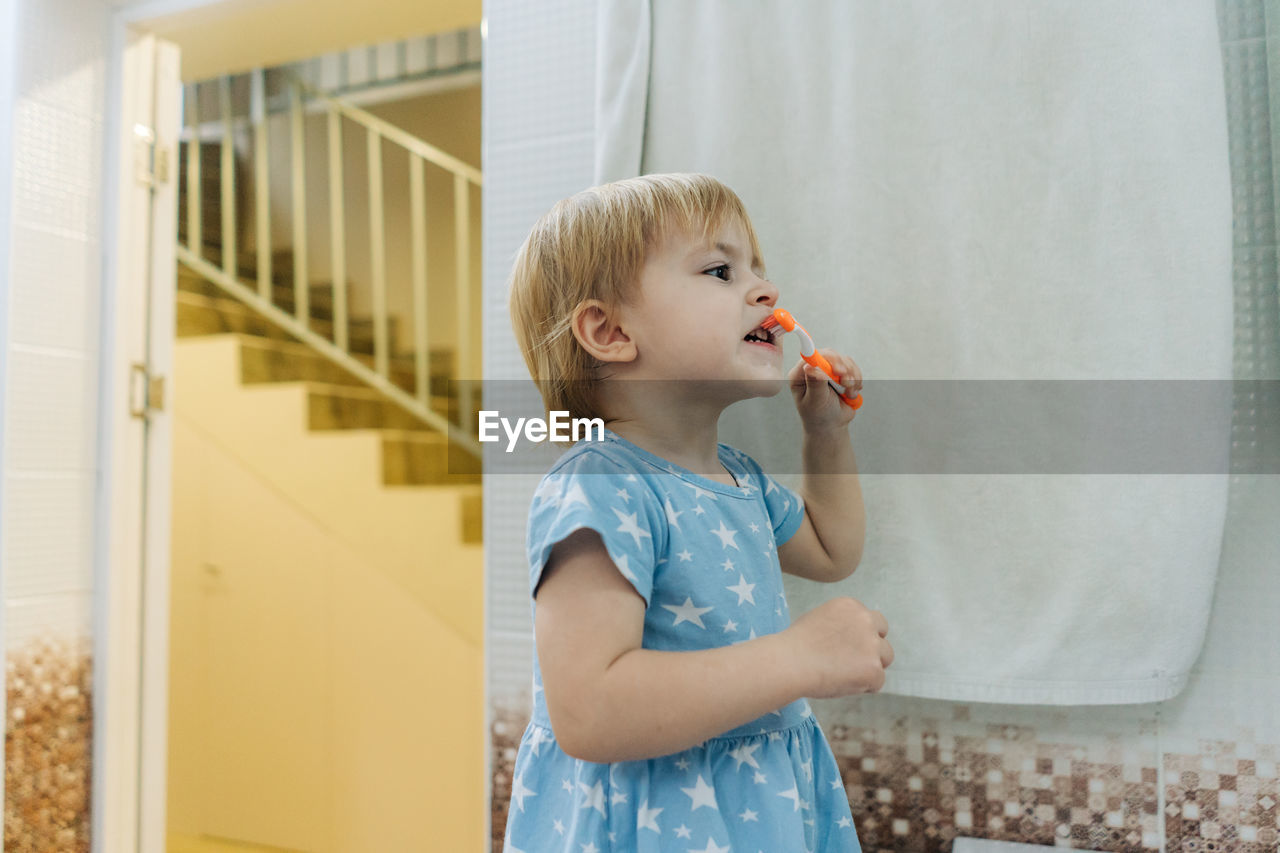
(473, 517)
(419, 458)
(200, 315)
(332, 407)
(266, 360)
(319, 301)
(263, 421)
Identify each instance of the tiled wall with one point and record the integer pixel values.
(51, 417)
(1196, 773)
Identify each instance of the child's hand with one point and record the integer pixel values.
(819, 405)
(842, 645)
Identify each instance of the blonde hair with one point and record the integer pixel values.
(593, 245)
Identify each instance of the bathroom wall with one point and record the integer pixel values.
(51, 425)
(1198, 772)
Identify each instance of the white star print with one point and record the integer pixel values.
(537, 739)
(687, 612)
(844, 823)
(770, 486)
(590, 847)
(595, 797)
(792, 794)
(682, 763)
(647, 818)
(621, 563)
(807, 767)
(726, 536)
(624, 494)
(617, 797)
(685, 556)
(760, 779)
(672, 515)
(559, 827)
(567, 785)
(711, 847)
(755, 528)
(836, 785)
(699, 492)
(743, 589)
(743, 755)
(698, 510)
(727, 565)
(730, 626)
(701, 794)
(574, 496)
(549, 490)
(747, 815)
(683, 831)
(519, 791)
(629, 525)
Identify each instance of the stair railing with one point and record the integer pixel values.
(303, 99)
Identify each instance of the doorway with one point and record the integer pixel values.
(133, 816)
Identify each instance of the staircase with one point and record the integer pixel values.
(412, 454)
(327, 586)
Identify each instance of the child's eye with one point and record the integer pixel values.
(716, 269)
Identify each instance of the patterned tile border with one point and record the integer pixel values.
(917, 789)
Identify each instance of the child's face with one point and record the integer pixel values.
(697, 303)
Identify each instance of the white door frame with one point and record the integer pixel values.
(131, 554)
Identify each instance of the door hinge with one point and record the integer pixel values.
(150, 160)
(146, 392)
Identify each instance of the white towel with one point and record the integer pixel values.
(988, 190)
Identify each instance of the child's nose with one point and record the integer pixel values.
(764, 293)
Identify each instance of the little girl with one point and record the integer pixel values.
(669, 682)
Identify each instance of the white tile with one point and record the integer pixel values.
(48, 542)
(522, 182)
(1222, 708)
(51, 411)
(57, 169)
(539, 69)
(62, 55)
(1242, 634)
(66, 618)
(55, 290)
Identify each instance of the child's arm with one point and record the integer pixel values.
(828, 545)
(611, 700)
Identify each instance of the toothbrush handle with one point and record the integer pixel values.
(854, 401)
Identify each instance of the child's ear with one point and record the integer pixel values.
(598, 331)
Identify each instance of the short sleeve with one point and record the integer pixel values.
(595, 491)
(784, 506)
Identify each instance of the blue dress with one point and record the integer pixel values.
(703, 555)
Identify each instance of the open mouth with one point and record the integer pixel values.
(760, 335)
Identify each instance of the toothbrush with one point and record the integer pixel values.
(809, 353)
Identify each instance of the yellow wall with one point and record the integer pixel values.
(318, 699)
